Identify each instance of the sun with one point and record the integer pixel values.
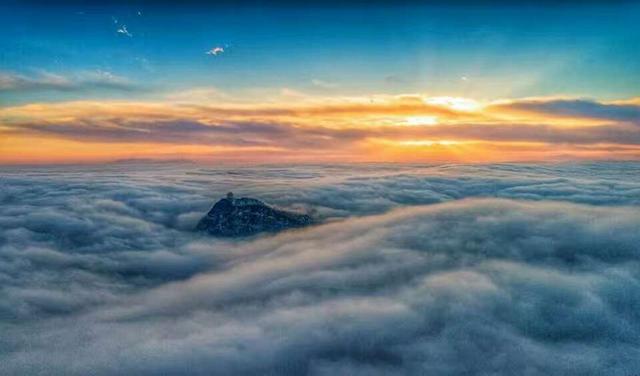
(455, 103)
(428, 143)
(421, 120)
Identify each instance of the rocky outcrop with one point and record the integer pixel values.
(236, 217)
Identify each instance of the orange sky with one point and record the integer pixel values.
(300, 128)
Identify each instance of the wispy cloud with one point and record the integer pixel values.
(43, 80)
(324, 84)
(123, 30)
(215, 51)
(79, 81)
(574, 107)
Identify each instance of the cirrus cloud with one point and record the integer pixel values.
(81, 81)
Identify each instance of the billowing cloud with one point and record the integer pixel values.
(101, 273)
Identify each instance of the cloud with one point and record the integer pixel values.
(45, 80)
(581, 108)
(123, 30)
(323, 84)
(81, 81)
(188, 131)
(215, 51)
(101, 274)
(355, 129)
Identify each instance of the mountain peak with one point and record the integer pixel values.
(236, 217)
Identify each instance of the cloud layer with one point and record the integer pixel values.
(448, 270)
(379, 128)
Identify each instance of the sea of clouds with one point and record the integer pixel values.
(507, 269)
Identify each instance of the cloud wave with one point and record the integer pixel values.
(512, 269)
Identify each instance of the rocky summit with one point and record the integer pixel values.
(236, 217)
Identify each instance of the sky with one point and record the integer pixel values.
(85, 82)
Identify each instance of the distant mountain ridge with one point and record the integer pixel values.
(237, 217)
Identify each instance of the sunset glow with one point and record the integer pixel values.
(304, 131)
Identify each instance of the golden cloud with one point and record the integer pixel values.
(374, 128)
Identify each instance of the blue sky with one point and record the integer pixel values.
(487, 51)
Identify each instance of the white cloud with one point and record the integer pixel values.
(215, 51)
(100, 274)
(324, 84)
(123, 30)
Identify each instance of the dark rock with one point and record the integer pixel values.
(235, 217)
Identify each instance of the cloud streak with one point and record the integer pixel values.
(580, 108)
(83, 81)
